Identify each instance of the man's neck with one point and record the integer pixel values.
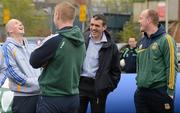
(18, 38)
(97, 39)
(65, 24)
(152, 30)
(131, 47)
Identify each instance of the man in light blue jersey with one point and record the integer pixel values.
(22, 77)
(2, 68)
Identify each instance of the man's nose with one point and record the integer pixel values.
(93, 27)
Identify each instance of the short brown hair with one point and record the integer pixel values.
(67, 11)
(154, 16)
(100, 17)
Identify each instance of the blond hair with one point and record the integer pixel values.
(67, 11)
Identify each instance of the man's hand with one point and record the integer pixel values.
(45, 65)
(122, 63)
(171, 96)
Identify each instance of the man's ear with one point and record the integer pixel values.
(10, 31)
(149, 20)
(105, 27)
(56, 15)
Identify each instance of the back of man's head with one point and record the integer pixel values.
(154, 16)
(9, 25)
(66, 10)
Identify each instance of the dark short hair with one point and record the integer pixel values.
(100, 17)
(154, 16)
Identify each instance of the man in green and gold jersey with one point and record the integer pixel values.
(156, 67)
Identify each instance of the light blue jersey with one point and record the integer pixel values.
(23, 78)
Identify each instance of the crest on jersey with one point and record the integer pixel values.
(154, 46)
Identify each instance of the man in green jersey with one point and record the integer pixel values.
(156, 67)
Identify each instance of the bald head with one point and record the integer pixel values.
(10, 24)
(14, 27)
(149, 21)
(153, 15)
